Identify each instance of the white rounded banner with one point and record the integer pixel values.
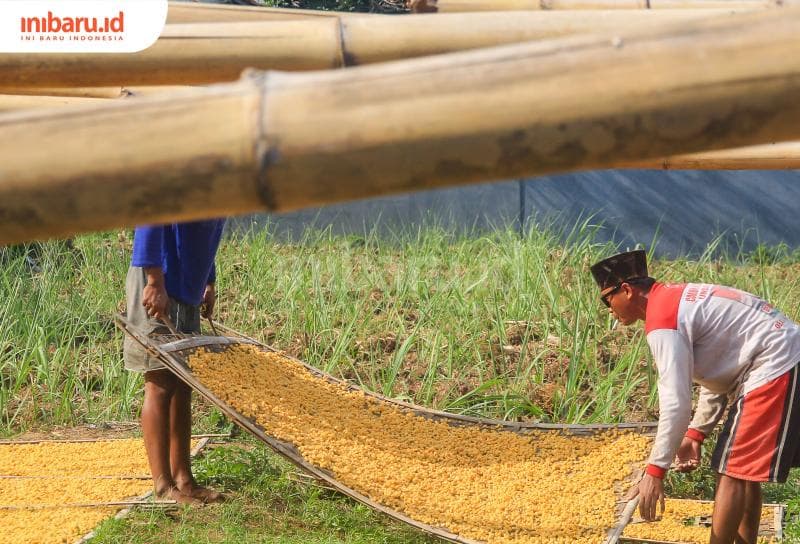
(80, 26)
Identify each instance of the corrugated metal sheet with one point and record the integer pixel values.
(683, 210)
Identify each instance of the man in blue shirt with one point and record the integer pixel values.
(172, 275)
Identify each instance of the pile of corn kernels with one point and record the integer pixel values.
(479, 483)
(678, 523)
(37, 480)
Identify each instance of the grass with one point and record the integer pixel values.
(59, 350)
(497, 325)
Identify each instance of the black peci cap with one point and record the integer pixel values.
(628, 266)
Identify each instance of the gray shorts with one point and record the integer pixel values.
(185, 317)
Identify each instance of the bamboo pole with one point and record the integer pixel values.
(16, 102)
(778, 156)
(625, 519)
(450, 6)
(153, 89)
(187, 55)
(366, 41)
(207, 53)
(193, 12)
(283, 141)
(77, 92)
(10, 102)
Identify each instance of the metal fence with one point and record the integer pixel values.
(683, 211)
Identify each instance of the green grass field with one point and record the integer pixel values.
(497, 325)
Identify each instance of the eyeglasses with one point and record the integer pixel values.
(604, 298)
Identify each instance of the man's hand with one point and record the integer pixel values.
(650, 491)
(154, 295)
(209, 300)
(688, 456)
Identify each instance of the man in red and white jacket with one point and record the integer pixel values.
(743, 353)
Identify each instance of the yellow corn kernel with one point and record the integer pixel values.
(676, 524)
(37, 480)
(485, 484)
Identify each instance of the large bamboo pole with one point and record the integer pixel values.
(775, 156)
(283, 141)
(206, 53)
(450, 6)
(193, 12)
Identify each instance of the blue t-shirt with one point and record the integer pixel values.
(184, 251)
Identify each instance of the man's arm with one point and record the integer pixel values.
(154, 295)
(210, 294)
(148, 250)
(674, 360)
(148, 247)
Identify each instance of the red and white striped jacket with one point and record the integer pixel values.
(728, 341)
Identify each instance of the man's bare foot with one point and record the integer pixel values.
(175, 494)
(203, 494)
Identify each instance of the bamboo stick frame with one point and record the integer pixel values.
(140, 477)
(283, 141)
(154, 504)
(170, 355)
(201, 442)
(203, 53)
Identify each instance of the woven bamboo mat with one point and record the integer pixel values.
(770, 528)
(174, 351)
(122, 505)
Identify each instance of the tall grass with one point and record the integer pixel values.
(59, 360)
(500, 325)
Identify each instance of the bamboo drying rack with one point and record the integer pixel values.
(173, 351)
(772, 527)
(125, 506)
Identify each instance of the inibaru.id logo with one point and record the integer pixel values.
(96, 26)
